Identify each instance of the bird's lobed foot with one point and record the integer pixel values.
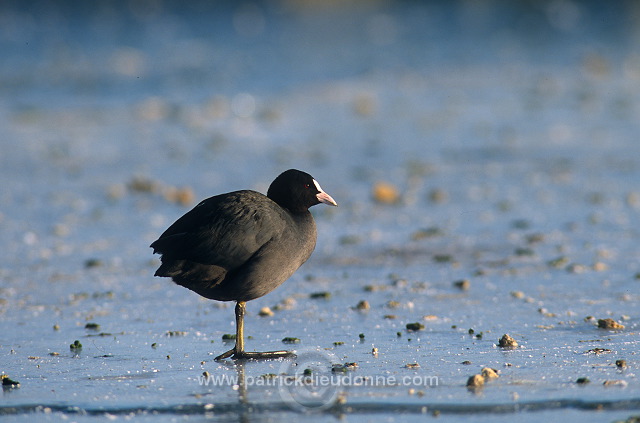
(265, 355)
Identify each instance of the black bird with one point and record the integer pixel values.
(242, 245)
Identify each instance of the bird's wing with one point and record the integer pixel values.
(225, 230)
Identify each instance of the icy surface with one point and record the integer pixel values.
(509, 132)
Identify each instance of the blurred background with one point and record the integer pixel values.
(107, 109)
(100, 99)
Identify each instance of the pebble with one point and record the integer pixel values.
(618, 382)
(463, 284)
(9, 383)
(517, 294)
(265, 312)
(415, 326)
(365, 105)
(438, 196)
(489, 373)
(475, 381)
(323, 294)
(609, 324)
(600, 266)
(426, 233)
(507, 342)
(363, 305)
(183, 196)
(385, 193)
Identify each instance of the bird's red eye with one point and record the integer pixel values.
(307, 185)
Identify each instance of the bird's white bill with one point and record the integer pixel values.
(323, 197)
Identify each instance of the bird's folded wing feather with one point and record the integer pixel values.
(222, 230)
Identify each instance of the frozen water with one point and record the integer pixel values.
(509, 132)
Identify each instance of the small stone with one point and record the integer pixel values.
(463, 284)
(92, 262)
(363, 305)
(290, 340)
(413, 327)
(582, 380)
(9, 383)
(323, 294)
(265, 312)
(534, 238)
(338, 368)
(374, 288)
(598, 351)
(172, 333)
(600, 266)
(475, 381)
(619, 382)
(365, 105)
(385, 193)
(609, 324)
(507, 342)
(576, 268)
(466, 362)
(443, 258)
(412, 366)
(524, 252)
(438, 196)
(374, 351)
(558, 262)
(621, 364)
(229, 337)
(489, 373)
(349, 240)
(183, 196)
(517, 294)
(426, 233)
(142, 184)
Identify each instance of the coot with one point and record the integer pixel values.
(242, 245)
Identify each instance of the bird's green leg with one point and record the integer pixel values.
(238, 351)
